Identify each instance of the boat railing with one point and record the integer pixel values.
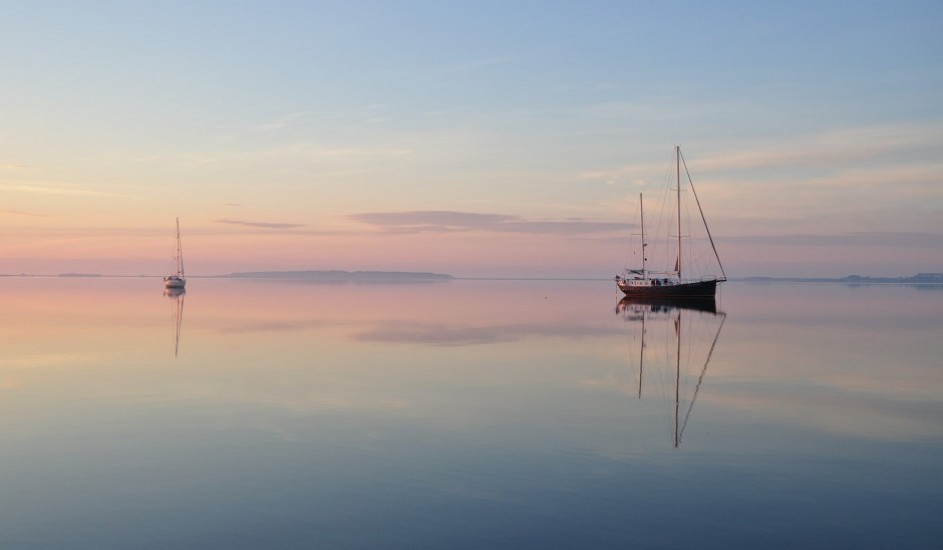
(671, 277)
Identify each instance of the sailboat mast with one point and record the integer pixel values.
(678, 172)
(179, 251)
(641, 208)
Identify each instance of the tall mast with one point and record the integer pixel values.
(179, 251)
(641, 208)
(678, 172)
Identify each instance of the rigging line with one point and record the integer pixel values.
(660, 231)
(708, 229)
(703, 372)
(630, 250)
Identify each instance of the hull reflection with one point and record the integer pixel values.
(684, 334)
(177, 295)
(698, 303)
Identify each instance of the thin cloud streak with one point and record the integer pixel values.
(907, 148)
(885, 238)
(840, 147)
(445, 221)
(45, 190)
(473, 66)
(285, 121)
(26, 214)
(261, 225)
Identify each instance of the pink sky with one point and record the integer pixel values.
(506, 151)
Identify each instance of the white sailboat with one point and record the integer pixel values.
(177, 280)
(642, 281)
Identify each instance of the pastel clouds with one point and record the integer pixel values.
(446, 221)
(260, 225)
(860, 239)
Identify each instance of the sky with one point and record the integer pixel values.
(480, 139)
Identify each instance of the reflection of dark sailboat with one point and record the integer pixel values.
(177, 295)
(686, 334)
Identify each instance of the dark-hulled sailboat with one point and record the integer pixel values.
(679, 282)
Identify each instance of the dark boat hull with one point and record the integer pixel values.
(699, 289)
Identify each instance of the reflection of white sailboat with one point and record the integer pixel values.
(687, 332)
(177, 295)
(177, 280)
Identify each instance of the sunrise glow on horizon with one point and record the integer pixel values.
(483, 139)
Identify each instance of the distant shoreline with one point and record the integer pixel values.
(920, 278)
(339, 276)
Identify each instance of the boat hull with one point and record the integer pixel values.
(698, 289)
(174, 282)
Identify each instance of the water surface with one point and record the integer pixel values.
(467, 414)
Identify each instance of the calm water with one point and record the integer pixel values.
(467, 414)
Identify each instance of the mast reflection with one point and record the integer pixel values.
(673, 338)
(177, 295)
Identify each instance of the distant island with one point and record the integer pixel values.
(339, 276)
(336, 276)
(918, 279)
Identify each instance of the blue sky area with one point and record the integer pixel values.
(288, 135)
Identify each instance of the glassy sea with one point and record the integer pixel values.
(468, 414)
